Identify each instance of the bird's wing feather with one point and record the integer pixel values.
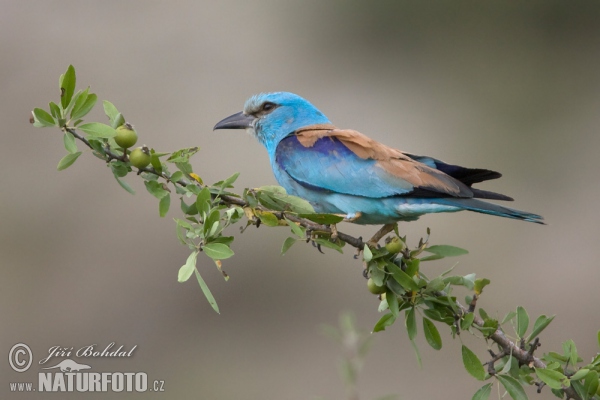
(346, 161)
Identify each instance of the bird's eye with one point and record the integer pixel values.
(268, 106)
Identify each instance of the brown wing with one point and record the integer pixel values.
(395, 163)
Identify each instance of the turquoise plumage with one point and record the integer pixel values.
(345, 172)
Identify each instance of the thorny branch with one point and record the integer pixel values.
(508, 346)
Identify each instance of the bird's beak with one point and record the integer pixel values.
(235, 121)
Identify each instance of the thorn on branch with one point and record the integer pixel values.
(533, 347)
(492, 362)
(473, 303)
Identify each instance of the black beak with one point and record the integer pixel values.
(235, 121)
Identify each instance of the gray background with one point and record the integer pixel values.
(506, 86)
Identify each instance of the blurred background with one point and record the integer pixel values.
(512, 87)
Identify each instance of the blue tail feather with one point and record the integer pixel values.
(491, 209)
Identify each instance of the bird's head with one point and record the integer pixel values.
(272, 116)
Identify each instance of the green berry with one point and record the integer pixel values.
(126, 136)
(395, 245)
(373, 288)
(139, 157)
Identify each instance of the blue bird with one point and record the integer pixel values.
(342, 171)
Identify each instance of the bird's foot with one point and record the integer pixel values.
(387, 228)
(334, 232)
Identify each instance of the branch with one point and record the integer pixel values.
(509, 347)
(237, 201)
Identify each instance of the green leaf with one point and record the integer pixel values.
(184, 167)
(483, 393)
(155, 189)
(203, 201)
(446, 251)
(67, 86)
(412, 267)
(598, 335)
(77, 101)
(164, 204)
(125, 185)
(377, 274)
(591, 383)
(227, 183)
(98, 130)
(74, 100)
(206, 291)
(187, 269)
(276, 198)
(434, 285)
(177, 176)
(367, 254)
(296, 229)
(119, 120)
(69, 141)
(267, 218)
(67, 160)
(508, 317)
(182, 155)
(42, 119)
(402, 278)
(512, 386)
(111, 112)
(209, 223)
(411, 323)
(522, 322)
(55, 110)
(467, 321)
(82, 108)
(480, 284)
(119, 168)
(392, 301)
(580, 374)
(431, 258)
(570, 351)
(326, 243)
(432, 335)
(156, 163)
(472, 364)
(508, 365)
(384, 322)
(289, 242)
(323, 219)
(540, 324)
(217, 251)
(466, 281)
(550, 377)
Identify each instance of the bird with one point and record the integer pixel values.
(342, 171)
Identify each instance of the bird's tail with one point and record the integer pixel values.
(492, 209)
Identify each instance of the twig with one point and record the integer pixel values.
(508, 347)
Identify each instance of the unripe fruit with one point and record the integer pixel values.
(373, 288)
(126, 136)
(395, 245)
(139, 157)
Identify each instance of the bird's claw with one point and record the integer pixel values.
(334, 232)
